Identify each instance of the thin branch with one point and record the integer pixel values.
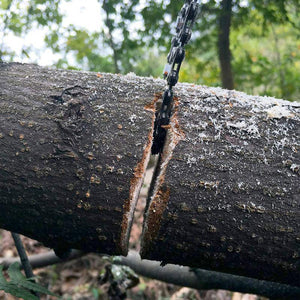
(41, 260)
(24, 258)
(23, 255)
(183, 276)
(206, 280)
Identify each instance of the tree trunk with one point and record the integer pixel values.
(110, 40)
(224, 44)
(227, 193)
(74, 147)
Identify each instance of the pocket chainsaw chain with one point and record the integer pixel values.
(185, 21)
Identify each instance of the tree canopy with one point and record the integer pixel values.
(263, 40)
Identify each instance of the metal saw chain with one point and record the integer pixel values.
(185, 21)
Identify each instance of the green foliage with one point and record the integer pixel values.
(82, 43)
(19, 285)
(264, 45)
(5, 4)
(43, 12)
(157, 16)
(266, 62)
(20, 16)
(119, 32)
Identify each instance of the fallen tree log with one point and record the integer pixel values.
(225, 197)
(74, 148)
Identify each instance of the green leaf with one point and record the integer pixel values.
(19, 285)
(25, 53)
(19, 279)
(13, 289)
(18, 292)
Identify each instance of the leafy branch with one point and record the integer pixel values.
(19, 285)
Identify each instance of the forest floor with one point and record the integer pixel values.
(93, 277)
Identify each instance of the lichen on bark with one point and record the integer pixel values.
(233, 191)
(71, 143)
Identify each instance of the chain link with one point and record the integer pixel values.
(185, 21)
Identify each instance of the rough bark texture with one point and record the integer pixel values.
(74, 146)
(228, 193)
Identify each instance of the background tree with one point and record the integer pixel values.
(259, 49)
(224, 53)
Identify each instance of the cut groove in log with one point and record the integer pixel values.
(227, 196)
(135, 186)
(74, 148)
(159, 196)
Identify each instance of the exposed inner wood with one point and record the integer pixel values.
(135, 188)
(160, 194)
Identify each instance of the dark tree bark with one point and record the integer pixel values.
(227, 195)
(224, 44)
(74, 146)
